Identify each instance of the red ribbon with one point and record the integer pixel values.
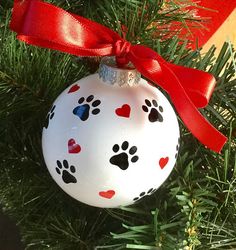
(48, 26)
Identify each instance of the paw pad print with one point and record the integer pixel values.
(154, 111)
(66, 171)
(49, 117)
(84, 109)
(141, 195)
(122, 160)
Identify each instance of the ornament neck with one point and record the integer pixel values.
(110, 73)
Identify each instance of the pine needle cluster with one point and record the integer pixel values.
(194, 209)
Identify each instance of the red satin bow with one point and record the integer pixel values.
(48, 26)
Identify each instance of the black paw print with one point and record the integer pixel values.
(83, 110)
(141, 195)
(153, 110)
(66, 171)
(177, 149)
(122, 159)
(49, 117)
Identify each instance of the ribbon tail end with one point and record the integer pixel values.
(219, 144)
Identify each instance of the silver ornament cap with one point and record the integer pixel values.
(110, 73)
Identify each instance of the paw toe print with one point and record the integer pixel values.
(49, 117)
(177, 148)
(122, 159)
(141, 195)
(66, 171)
(84, 109)
(153, 110)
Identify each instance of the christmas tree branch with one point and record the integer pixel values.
(194, 209)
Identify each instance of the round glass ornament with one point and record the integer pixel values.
(110, 138)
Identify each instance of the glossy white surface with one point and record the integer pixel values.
(83, 135)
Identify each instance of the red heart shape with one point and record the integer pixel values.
(107, 194)
(124, 111)
(163, 162)
(73, 147)
(74, 88)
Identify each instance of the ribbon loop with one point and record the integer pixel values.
(43, 24)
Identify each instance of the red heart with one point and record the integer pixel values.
(74, 88)
(107, 194)
(163, 162)
(124, 111)
(73, 147)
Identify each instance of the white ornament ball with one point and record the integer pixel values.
(107, 141)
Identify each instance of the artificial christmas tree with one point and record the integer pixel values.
(194, 209)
